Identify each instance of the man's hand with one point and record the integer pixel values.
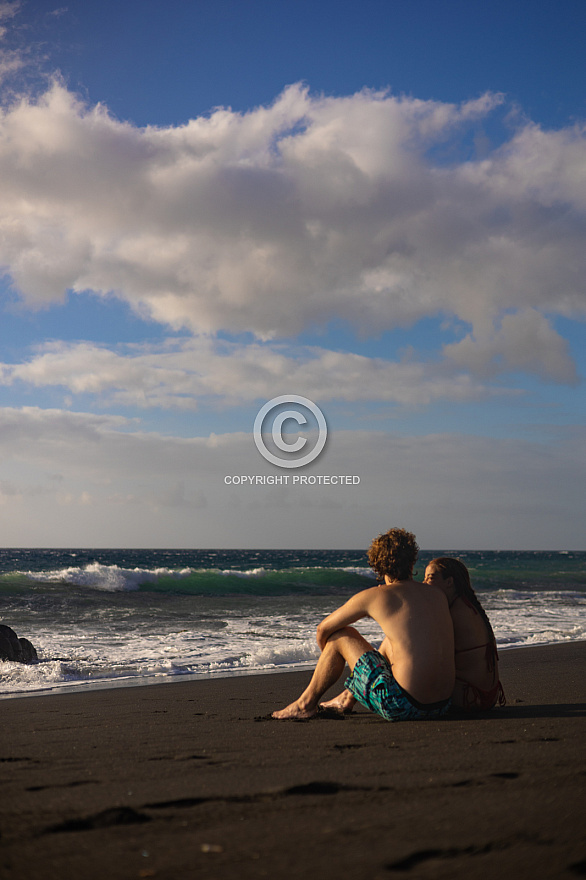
(322, 635)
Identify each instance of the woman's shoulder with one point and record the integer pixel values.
(461, 604)
(469, 627)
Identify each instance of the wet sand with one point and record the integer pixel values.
(192, 780)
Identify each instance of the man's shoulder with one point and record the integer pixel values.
(368, 597)
(369, 592)
(399, 586)
(411, 588)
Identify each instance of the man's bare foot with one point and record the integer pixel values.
(294, 712)
(343, 703)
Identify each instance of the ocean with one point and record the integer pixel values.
(105, 618)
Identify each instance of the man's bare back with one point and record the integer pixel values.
(418, 643)
(419, 638)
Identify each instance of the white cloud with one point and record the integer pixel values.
(291, 215)
(180, 374)
(523, 341)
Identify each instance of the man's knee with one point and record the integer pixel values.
(347, 632)
(349, 644)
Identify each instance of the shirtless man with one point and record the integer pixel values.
(477, 683)
(411, 676)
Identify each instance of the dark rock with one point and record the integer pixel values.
(10, 648)
(29, 653)
(14, 649)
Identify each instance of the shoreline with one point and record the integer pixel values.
(162, 678)
(196, 781)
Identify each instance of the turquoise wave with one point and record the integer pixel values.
(263, 582)
(199, 582)
(264, 573)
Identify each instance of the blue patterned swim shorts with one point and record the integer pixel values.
(372, 683)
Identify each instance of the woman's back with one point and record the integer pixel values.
(477, 676)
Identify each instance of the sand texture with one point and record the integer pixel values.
(192, 780)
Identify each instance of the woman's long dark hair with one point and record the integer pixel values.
(455, 569)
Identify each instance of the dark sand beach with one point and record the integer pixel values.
(191, 780)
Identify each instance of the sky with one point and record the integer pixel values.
(378, 206)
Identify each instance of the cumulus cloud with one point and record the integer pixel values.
(288, 216)
(182, 374)
(524, 341)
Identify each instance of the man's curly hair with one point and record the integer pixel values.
(394, 553)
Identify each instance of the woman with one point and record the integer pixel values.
(477, 676)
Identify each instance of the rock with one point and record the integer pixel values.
(10, 648)
(29, 653)
(14, 649)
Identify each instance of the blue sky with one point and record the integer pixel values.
(379, 206)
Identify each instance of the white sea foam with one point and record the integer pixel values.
(522, 618)
(101, 639)
(110, 578)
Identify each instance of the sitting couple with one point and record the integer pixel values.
(438, 651)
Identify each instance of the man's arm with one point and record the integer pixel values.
(356, 607)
